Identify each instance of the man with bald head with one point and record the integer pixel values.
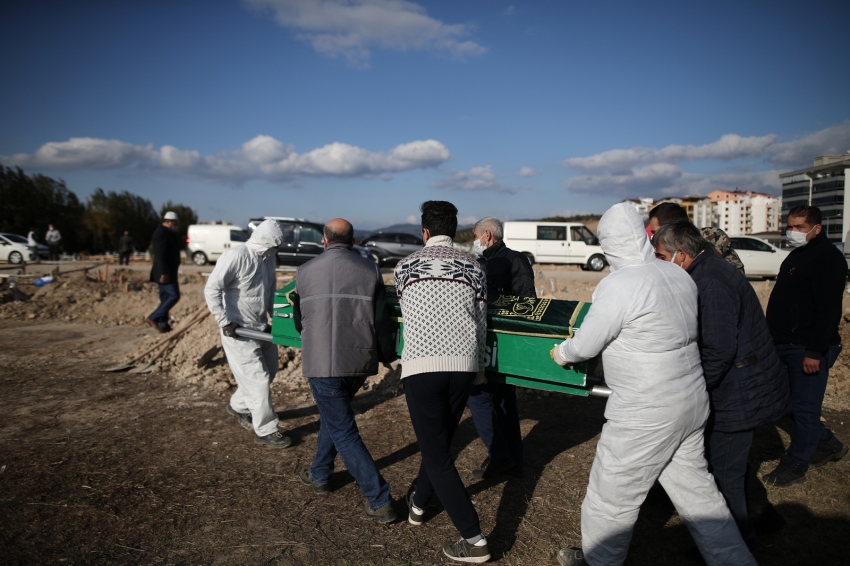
(344, 335)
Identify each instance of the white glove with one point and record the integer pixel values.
(556, 355)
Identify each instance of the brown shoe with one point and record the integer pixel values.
(155, 324)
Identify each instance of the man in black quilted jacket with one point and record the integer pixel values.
(746, 383)
(803, 314)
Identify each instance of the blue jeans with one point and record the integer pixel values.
(727, 454)
(338, 433)
(807, 392)
(496, 419)
(169, 294)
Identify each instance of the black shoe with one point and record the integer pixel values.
(490, 469)
(243, 418)
(786, 474)
(462, 551)
(571, 557)
(273, 440)
(319, 488)
(827, 453)
(384, 515)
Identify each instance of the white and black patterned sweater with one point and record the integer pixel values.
(443, 298)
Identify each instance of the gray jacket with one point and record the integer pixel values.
(340, 301)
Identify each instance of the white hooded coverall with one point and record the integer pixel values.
(644, 321)
(241, 290)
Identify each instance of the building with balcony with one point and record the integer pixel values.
(745, 212)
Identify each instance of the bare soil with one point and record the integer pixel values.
(118, 468)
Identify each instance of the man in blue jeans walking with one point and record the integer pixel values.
(339, 310)
(803, 316)
(166, 260)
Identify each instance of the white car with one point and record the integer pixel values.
(206, 242)
(760, 258)
(14, 249)
(555, 242)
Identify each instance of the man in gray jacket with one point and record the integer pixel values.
(340, 301)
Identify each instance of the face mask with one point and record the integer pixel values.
(673, 259)
(797, 239)
(477, 248)
(174, 228)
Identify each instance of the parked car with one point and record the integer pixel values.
(302, 240)
(206, 242)
(15, 249)
(555, 242)
(760, 259)
(391, 246)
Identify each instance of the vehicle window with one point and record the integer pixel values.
(238, 236)
(381, 238)
(310, 235)
(551, 232)
(410, 239)
(741, 244)
(288, 233)
(15, 238)
(759, 246)
(580, 234)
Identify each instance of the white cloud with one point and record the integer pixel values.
(476, 179)
(413, 219)
(526, 172)
(729, 146)
(656, 172)
(262, 157)
(349, 28)
(83, 153)
(797, 154)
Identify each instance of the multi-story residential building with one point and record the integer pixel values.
(739, 213)
(823, 185)
(643, 205)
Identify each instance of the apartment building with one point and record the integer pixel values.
(745, 212)
(823, 185)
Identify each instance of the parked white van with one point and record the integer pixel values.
(206, 242)
(555, 242)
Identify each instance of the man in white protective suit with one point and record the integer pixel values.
(240, 294)
(644, 321)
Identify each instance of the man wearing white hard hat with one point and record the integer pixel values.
(166, 260)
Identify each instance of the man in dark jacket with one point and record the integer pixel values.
(344, 334)
(746, 383)
(125, 248)
(166, 260)
(493, 405)
(803, 314)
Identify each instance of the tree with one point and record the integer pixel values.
(34, 202)
(109, 214)
(184, 213)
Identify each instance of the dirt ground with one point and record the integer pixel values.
(120, 468)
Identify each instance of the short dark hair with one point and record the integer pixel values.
(342, 237)
(681, 235)
(439, 217)
(810, 213)
(668, 212)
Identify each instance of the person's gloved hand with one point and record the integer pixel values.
(229, 330)
(267, 328)
(556, 355)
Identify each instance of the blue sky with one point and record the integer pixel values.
(366, 108)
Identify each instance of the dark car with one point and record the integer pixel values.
(302, 240)
(391, 246)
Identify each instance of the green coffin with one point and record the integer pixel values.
(520, 334)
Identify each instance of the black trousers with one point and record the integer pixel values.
(436, 401)
(124, 258)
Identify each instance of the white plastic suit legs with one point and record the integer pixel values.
(628, 460)
(254, 365)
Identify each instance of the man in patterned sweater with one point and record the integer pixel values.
(443, 298)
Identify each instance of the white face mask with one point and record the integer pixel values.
(673, 259)
(477, 248)
(797, 239)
